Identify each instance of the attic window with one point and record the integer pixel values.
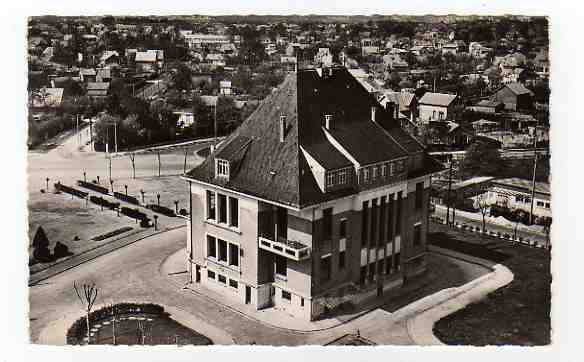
(222, 168)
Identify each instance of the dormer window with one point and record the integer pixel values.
(222, 168)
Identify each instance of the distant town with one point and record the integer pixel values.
(323, 175)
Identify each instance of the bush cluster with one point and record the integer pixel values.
(161, 210)
(98, 200)
(126, 198)
(94, 187)
(78, 330)
(133, 213)
(71, 190)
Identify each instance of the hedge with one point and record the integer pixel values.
(126, 198)
(78, 330)
(161, 210)
(133, 213)
(94, 187)
(70, 190)
(112, 233)
(103, 202)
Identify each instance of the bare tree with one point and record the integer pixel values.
(484, 206)
(87, 295)
(133, 159)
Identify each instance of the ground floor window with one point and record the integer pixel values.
(222, 279)
(342, 259)
(325, 268)
(286, 295)
(388, 265)
(362, 275)
(397, 261)
(233, 283)
(211, 274)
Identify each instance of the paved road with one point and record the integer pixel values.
(539, 238)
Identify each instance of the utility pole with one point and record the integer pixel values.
(533, 179)
(215, 124)
(116, 137)
(449, 190)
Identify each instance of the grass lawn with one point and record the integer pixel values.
(517, 314)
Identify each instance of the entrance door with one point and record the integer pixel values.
(198, 273)
(247, 294)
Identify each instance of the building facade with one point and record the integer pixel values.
(319, 198)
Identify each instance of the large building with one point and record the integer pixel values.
(317, 198)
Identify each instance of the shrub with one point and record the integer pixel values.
(61, 250)
(127, 198)
(145, 223)
(161, 210)
(133, 213)
(183, 212)
(93, 186)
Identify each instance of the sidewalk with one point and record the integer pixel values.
(174, 268)
(437, 306)
(78, 259)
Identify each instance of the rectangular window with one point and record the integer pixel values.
(286, 295)
(233, 254)
(540, 203)
(401, 166)
(417, 235)
(325, 268)
(362, 275)
(222, 250)
(222, 204)
(390, 217)
(391, 168)
(398, 220)
(419, 195)
(547, 205)
(281, 265)
(365, 175)
(371, 272)
(374, 173)
(222, 279)
(397, 261)
(518, 198)
(222, 168)
(234, 211)
(380, 267)
(382, 224)
(364, 222)
(327, 223)
(302, 302)
(343, 229)
(330, 179)
(233, 283)
(383, 171)
(211, 274)
(342, 177)
(374, 210)
(388, 265)
(210, 205)
(342, 260)
(211, 247)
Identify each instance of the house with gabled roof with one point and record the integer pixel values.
(437, 107)
(515, 97)
(317, 194)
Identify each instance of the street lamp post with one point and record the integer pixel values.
(158, 197)
(155, 222)
(176, 205)
(84, 176)
(47, 180)
(126, 187)
(98, 179)
(142, 192)
(112, 184)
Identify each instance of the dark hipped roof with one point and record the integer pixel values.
(278, 171)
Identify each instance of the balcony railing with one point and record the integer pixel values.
(288, 248)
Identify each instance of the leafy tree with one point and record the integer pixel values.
(482, 159)
(183, 77)
(40, 244)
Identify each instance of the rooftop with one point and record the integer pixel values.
(437, 99)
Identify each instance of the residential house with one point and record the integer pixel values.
(97, 89)
(516, 194)
(405, 104)
(198, 40)
(150, 60)
(186, 117)
(437, 107)
(323, 57)
(487, 106)
(514, 96)
(87, 75)
(318, 194)
(369, 46)
(225, 88)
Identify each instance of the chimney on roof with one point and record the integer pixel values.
(328, 121)
(282, 127)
